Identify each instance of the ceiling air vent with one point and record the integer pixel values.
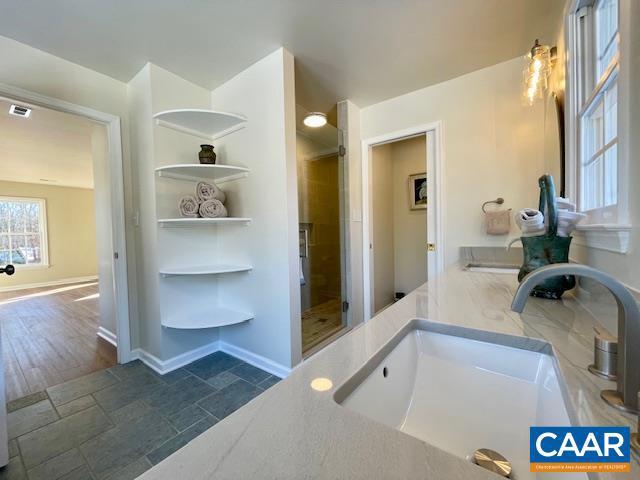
(20, 111)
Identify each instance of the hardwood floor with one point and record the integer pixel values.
(49, 337)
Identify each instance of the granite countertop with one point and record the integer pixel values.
(294, 432)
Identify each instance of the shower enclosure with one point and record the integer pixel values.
(321, 209)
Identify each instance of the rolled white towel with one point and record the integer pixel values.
(189, 207)
(207, 191)
(531, 222)
(212, 209)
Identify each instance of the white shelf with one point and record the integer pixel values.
(188, 222)
(216, 317)
(205, 270)
(207, 124)
(196, 172)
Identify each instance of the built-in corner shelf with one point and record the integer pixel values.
(213, 318)
(207, 124)
(194, 172)
(193, 222)
(204, 270)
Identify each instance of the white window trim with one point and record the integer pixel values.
(42, 222)
(612, 237)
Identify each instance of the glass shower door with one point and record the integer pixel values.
(321, 209)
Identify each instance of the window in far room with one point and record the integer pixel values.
(23, 239)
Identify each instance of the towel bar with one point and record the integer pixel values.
(498, 201)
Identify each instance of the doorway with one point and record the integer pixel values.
(398, 219)
(64, 309)
(321, 212)
(402, 235)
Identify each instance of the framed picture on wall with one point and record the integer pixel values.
(418, 191)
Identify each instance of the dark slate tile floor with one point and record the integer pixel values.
(117, 423)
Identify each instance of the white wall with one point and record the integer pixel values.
(153, 90)
(492, 146)
(264, 93)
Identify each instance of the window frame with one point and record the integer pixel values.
(583, 92)
(43, 230)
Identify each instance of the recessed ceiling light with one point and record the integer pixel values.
(20, 111)
(315, 120)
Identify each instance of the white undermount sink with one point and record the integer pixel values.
(462, 389)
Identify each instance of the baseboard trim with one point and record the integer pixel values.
(254, 359)
(53, 283)
(165, 366)
(108, 336)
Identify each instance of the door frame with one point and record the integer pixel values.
(116, 186)
(435, 211)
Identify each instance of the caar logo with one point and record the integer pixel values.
(579, 449)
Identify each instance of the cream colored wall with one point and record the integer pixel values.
(399, 261)
(382, 211)
(492, 146)
(409, 226)
(71, 233)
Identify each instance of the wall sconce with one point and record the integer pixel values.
(535, 75)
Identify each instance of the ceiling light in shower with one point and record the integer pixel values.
(315, 120)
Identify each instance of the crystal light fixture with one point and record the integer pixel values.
(536, 72)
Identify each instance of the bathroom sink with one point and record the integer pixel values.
(462, 389)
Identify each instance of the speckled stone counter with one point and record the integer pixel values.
(294, 432)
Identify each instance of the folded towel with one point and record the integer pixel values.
(189, 206)
(302, 280)
(207, 191)
(212, 209)
(565, 204)
(567, 221)
(498, 222)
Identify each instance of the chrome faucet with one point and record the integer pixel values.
(625, 397)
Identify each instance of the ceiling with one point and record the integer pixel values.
(49, 147)
(364, 50)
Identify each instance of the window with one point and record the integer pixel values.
(596, 79)
(23, 232)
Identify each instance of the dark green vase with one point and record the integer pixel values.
(547, 249)
(207, 156)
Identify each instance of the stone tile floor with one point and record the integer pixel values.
(117, 423)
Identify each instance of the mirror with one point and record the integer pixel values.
(554, 140)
